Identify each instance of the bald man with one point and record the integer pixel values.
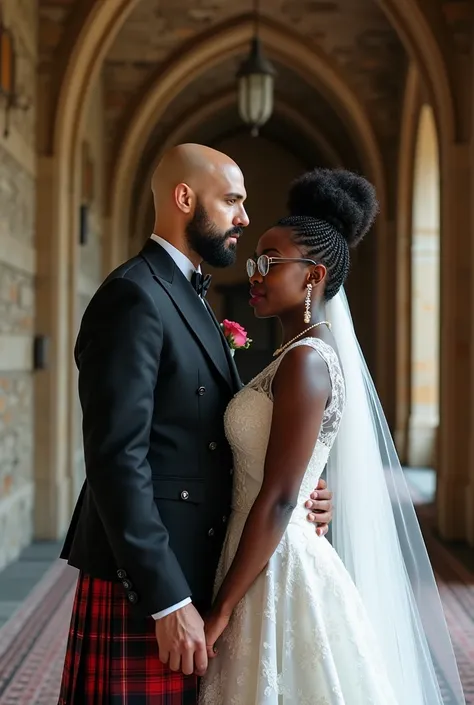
(155, 378)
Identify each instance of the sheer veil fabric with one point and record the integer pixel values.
(376, 533)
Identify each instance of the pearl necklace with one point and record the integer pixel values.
(315, 325)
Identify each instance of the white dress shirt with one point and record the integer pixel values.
(187, 268)
(180, 260)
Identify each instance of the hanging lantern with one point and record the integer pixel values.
(255, 81)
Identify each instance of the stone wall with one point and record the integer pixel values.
(17, 298)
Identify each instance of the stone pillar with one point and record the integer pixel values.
(455, 430)
(403, 338)
(403, 307)
(386, 319)
(52, 506)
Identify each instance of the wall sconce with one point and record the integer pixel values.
(8, 76)
(83, 223)
(40, 352)
(87, 193)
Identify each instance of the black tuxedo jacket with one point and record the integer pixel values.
(155, 377)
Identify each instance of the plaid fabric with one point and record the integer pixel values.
(112, 655)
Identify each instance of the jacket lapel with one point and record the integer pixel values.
(190, 306)
(232, 366)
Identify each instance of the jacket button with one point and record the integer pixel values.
(224, 519)
(210, 532)
(121, 574)
(127, 584)
(212, 445)
(201, 391)
(185, 494)
(132, 597)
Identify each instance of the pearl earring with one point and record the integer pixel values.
(307, 304)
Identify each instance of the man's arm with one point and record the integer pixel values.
(118, 359)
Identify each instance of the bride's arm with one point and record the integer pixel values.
(300, 392)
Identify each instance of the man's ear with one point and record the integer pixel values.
(184, 198)
(317, 274)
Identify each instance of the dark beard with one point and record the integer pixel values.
(209, 242)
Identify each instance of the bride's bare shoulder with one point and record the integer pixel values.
(303, 367)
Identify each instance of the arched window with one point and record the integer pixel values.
(424, 413)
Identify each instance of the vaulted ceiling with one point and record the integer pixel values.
(354, 35)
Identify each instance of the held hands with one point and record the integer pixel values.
(321, 506)
(214, 625)
(181, 641)
(186, 642)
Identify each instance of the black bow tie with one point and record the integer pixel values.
(201, 283)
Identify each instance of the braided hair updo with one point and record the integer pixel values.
(330, 212)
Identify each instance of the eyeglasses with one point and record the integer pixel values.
(264, 262)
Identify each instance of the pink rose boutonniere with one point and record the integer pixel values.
(235, 335)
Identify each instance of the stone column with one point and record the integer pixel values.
(455, 430)
(386, 319)
(52, 506)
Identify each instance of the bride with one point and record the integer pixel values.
(298, 621)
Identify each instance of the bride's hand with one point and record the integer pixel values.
(214, 625)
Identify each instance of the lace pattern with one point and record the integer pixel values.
(263, 383)
(299, 636)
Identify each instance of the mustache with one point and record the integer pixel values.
(238, 230)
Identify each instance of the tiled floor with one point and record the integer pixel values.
(33, 641)
(424, 480)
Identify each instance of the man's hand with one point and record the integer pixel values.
(321, 506)
(181, 641)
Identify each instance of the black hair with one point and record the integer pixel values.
(330, 212)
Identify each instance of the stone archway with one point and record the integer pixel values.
(230, 40)
(425, 49)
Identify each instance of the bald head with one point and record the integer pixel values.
(195, 165)
(199, 194)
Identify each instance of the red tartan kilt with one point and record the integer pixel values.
(112, 654)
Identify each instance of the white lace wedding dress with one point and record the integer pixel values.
(300, 635)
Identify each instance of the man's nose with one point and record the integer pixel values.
(242, 219)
